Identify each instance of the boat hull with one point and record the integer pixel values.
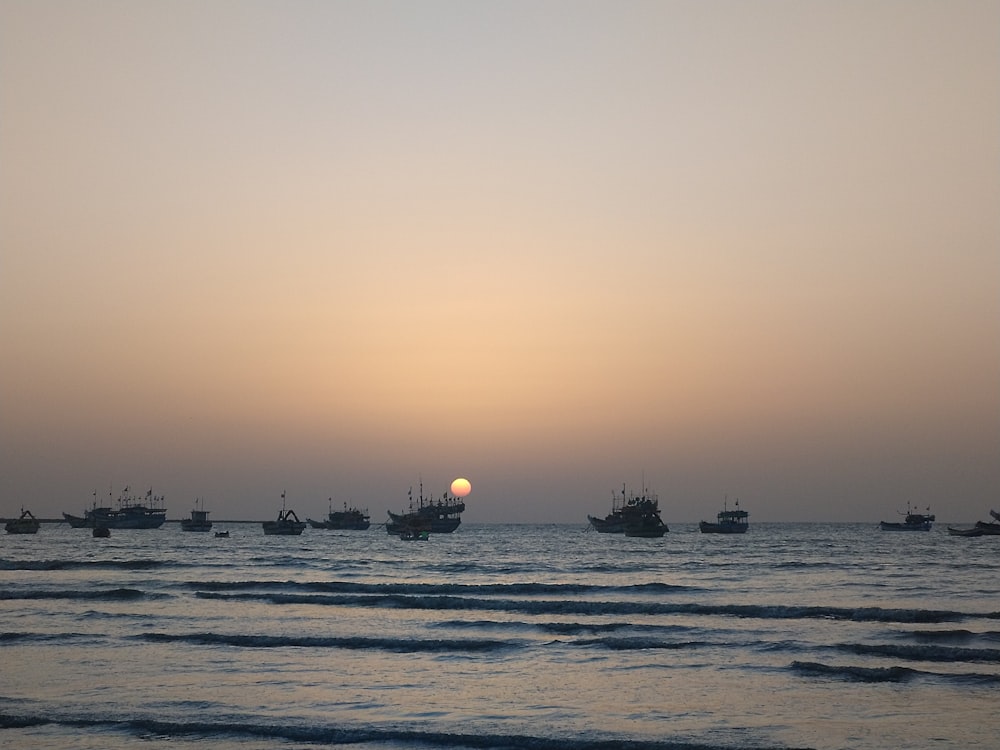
(283, 528)
(399, 523)
(609, 525)
(892, 526)
(988, 529)
(722, 528)
(118, 520)
(965, 532)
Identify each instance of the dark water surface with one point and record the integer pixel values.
(794, 635)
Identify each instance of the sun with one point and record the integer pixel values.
(461, 487)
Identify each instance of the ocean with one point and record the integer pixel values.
(500, 636)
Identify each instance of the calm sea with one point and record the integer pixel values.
(794, 635)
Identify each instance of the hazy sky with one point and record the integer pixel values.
(738, 248)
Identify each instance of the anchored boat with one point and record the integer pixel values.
(130, 514)
(440, 517)
(25, 524)
(727, 521)
(912, 522)
(198, 520)
(287, 524)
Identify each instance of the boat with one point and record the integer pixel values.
(642, 516)
(130, 514)
(101, 531)
(198, 520)
(988, 529)
(614, 522)
(288, 524)
(221, 534)
(439, 517)
(974, 531)
(25, 524)
(912, 522)
(348, 519)
(727, 521)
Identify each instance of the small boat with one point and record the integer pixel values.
(198, 520)
(974, 531)
(441, 517)
(727, 521)
(348, 519)
(912, 522)
(221, 534)
(25, 524)
(642, 516)
(101, 531)
(288, 524)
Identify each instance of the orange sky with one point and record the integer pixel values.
(743, 249)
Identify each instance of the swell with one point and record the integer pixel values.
(116, 594)
(585, 607)
(518, 589)
(86, 564)
(397, 645)
(924, 652)
(854, 673)
(356, 735)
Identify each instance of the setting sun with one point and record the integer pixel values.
(461, 487)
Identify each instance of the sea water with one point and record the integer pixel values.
(793, 635)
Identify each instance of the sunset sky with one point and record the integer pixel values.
(331, 248)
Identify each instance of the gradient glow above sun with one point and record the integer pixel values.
(461, 487)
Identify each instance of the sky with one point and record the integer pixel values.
(334, 249)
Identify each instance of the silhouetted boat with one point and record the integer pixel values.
(130, 514)
(727, 521)
(912, 522)
(642, 516)
(441, 517)
(221, 534)
(974, 531)
(288, 524)
(198, 520)
(348, 519)
(101, 531)
(25, 524)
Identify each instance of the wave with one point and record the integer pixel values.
(510, 589)
(956, 636)
(359, 735)
(118, 594)
(924, 652)
(585, 607)
(85, 564)
(396, 645)
(886, 674)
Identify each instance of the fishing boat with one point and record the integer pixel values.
(439, 517)
(727, 521)
(913, 521)
(221, 534)
(348, 519)
(614, 522)
(642, 516)
(287, 524)
(25, 524)
(974, 531)
(130, 513)
(198, 520)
